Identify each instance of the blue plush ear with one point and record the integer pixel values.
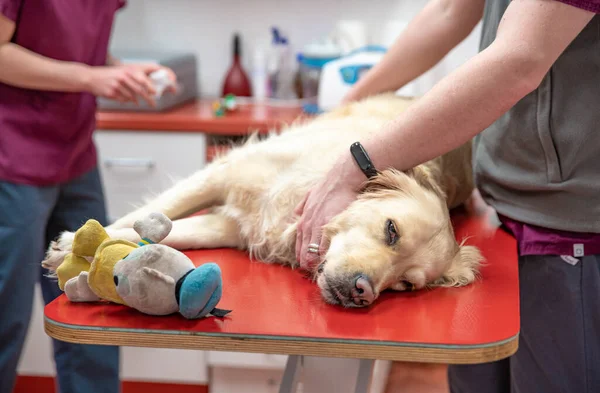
(200, 292)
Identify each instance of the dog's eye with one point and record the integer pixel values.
(391, 234)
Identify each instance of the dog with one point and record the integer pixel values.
(397, 235)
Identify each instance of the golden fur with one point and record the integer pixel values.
(253, 189)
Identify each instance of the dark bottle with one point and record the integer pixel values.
(236, 81)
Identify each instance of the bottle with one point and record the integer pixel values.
(280, 67)
(260, 80)
(285, 76)
(236, 81)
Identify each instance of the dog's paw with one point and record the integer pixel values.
(58, 250)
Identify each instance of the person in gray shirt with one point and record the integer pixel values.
(529, 101)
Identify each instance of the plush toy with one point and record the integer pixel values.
(152, 278)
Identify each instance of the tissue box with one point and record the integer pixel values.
(184, 65)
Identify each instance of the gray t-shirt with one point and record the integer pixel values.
(540, 162)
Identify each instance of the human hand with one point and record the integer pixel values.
(125, 83)
(323, 202)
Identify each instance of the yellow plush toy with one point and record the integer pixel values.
(150, 277)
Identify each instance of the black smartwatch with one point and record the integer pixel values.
(363, 160)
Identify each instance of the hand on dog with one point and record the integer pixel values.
(320, 205)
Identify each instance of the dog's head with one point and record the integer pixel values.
(397, 235)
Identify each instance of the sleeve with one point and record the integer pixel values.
(120, 4)
(10, 8)
(588, 5)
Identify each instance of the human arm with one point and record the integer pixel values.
(26, 69)
(531, 36)
(112, 61)
(23, 68)
(439, 27)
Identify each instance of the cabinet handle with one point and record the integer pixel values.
(146, 163)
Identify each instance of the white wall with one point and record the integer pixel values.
(205, 28)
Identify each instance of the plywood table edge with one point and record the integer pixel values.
(407, 352)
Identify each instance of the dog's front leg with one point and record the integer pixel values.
(203, 189)
(203, 231)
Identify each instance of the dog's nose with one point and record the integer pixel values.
(362, 293)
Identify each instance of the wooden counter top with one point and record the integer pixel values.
(198, 117)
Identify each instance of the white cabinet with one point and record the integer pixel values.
(233, 372)
(136, 165)
(237, 380)
(246, 360)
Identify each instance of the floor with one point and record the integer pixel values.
(417, 378)
(29, 384)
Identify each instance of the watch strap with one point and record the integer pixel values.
(362, 159)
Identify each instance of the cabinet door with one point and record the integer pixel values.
(137, 165)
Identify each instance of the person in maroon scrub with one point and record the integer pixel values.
(54, 61)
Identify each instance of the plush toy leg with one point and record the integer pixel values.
(72, 266)
(78, 290)
(201, 291)
(197, 232)
(88, 238)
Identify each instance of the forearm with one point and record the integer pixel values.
(437, 29)
(453, 112)
(531, 36)
(23, 68)
(112, 61)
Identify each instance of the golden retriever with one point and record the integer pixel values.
(253, 189)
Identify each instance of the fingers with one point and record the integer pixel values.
(308, 233)
(129, 84)
(323, 245)
(134, 85)
(121, 92)
(300, 208)
(310, 258)
(143, 85)
(148, 68)
(299, 248)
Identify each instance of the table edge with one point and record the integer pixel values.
(379, 350)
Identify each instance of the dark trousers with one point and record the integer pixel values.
(559, 342)
(30, 217)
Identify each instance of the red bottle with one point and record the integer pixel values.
(236, 80)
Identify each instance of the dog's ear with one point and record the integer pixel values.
(426, 179)
(463, 270)
(392, 179)
(389, 179)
